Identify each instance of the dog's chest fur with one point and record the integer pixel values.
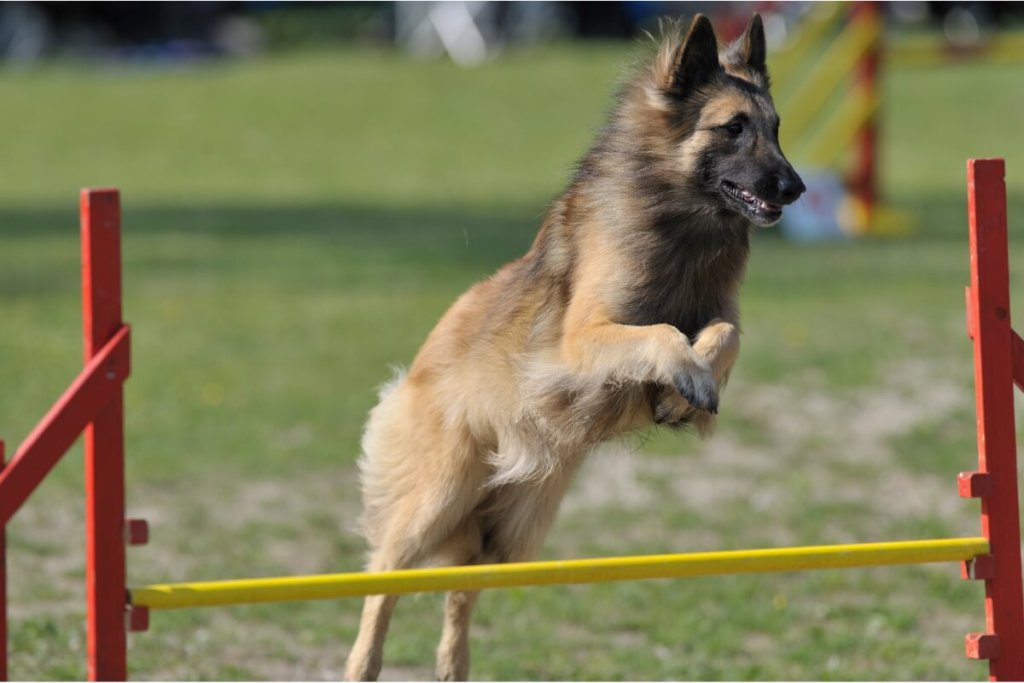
(690, 274)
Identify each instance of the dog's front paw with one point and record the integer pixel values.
(698, 387)
(670, 408)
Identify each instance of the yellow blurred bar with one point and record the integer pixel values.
(830, 71)
(328, 586)
(839, 131)
(821, 20)
(933, 50)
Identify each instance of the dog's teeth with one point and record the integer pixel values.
(753, 200)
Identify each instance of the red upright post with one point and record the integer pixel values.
(989, 320)
(106, 585)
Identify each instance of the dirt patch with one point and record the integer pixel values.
(820, 435)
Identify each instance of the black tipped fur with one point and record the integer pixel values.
(696, 63)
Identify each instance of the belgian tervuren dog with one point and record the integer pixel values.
(622, 314)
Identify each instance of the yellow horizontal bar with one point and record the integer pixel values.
(328, 586)
(931, 50)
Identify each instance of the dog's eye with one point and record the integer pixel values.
(735, 129)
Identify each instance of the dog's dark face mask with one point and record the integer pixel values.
(731, 127)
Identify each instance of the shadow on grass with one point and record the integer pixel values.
(412, 228)
(354, 239)
(489, 234)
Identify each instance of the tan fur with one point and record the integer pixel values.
(723, 108)
(589, 335)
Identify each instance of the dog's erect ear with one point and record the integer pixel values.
(750, 50)
(696, 60)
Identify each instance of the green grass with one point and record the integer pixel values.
(293, 225)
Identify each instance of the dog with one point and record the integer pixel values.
(622, 314)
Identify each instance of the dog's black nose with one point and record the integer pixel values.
(790, 186)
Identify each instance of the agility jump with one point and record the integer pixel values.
(93, 404)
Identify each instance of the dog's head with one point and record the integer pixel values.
(723, 130)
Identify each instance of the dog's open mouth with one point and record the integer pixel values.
(758, 209)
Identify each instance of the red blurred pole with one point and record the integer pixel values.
(3, 586)
(864, 181)
(989, 316)
(106, 585)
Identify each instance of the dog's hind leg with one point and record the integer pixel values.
(520, 514)
(509, 527)
(413, 535)
(453, 650)
(517, 519)
(422, 526)
(366, 656)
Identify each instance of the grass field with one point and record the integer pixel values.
(294, 225)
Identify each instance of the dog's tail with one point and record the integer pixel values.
(371, 460)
